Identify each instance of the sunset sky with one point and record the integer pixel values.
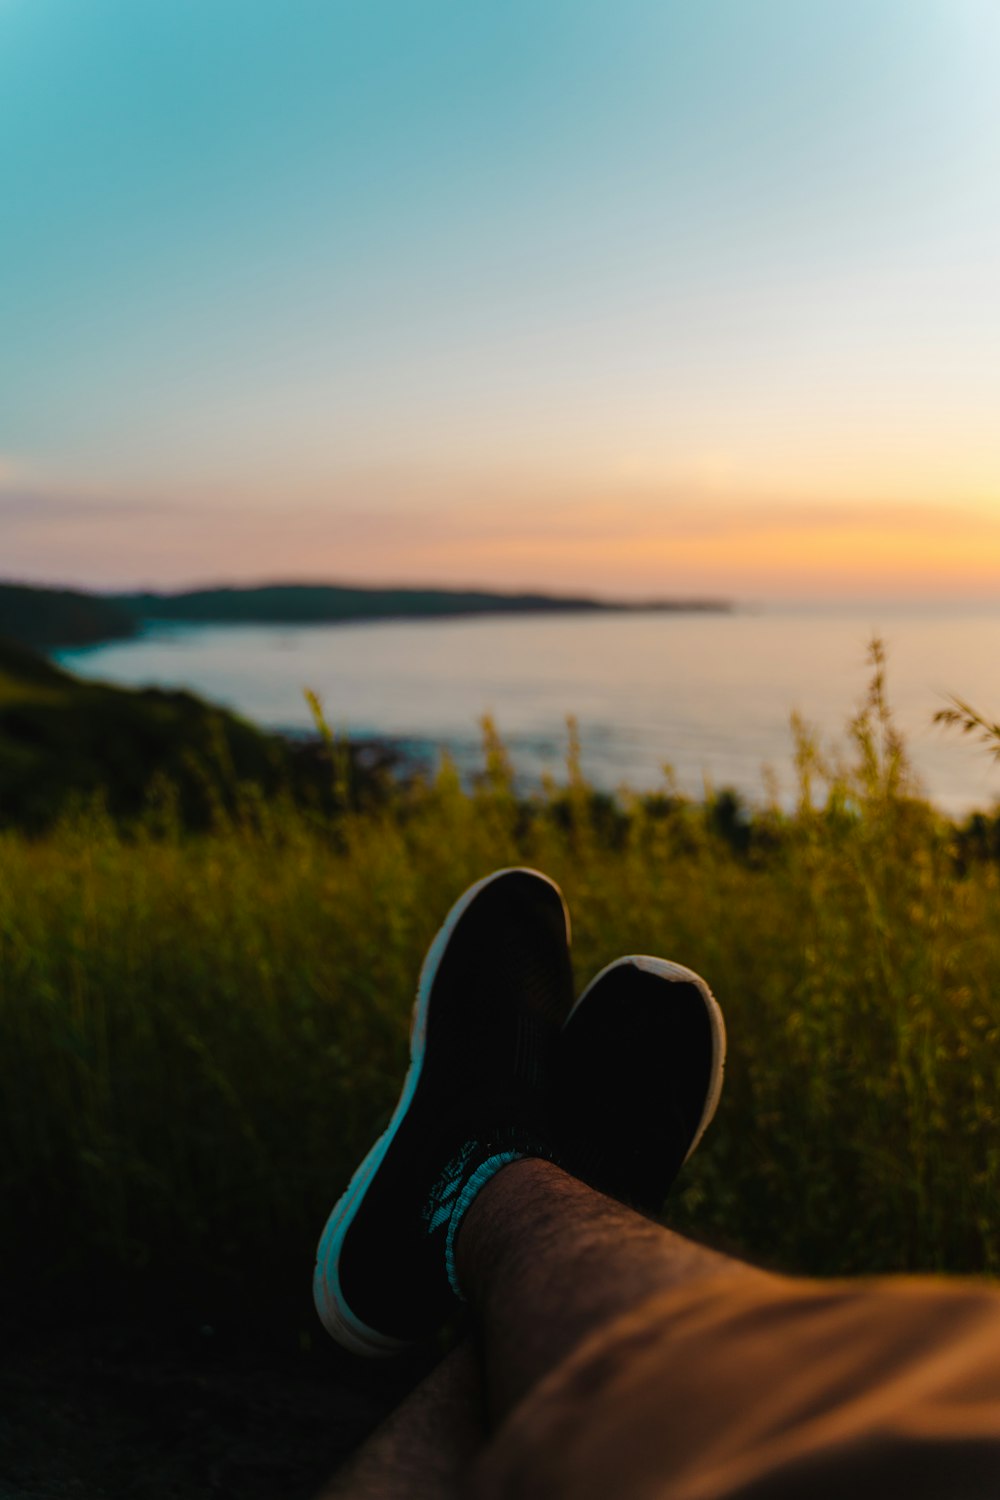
(627, 296)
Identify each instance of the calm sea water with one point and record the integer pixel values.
(709, 694)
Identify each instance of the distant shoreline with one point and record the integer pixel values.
(53, 619)
(332, 604)
(149, 622)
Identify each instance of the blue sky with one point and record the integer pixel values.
(623, 296)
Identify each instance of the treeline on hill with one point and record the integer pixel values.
(49, 618)
(46, 618)
(289, 604)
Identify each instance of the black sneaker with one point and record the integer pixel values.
(494, 991)
(638, 1078)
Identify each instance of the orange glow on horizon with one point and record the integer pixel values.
(512, 529)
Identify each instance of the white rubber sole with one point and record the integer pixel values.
(336, 1316)
(676, 973)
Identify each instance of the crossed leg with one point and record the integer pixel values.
(425, 1447)
(545, 1261)
(619, 1358)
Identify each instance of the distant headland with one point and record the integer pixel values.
(48, 618)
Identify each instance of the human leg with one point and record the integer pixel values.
(625, 1360)
(622, 1094)
(644, 1045)
(426, 1445)
(726, 1383)
(545, 1261)
(630, 1362)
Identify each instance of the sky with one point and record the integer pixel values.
(631, 297)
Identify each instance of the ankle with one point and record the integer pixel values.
(496, 1204)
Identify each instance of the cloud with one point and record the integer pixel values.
(40, 506)
(16, 505)
(603, 539)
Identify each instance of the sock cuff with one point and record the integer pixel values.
(476, 1181)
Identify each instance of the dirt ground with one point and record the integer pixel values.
(105, 1412)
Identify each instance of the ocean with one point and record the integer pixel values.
(709, 695)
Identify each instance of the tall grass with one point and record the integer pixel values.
(201, 1033)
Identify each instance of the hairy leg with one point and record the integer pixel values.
(545, 1261)
(424, 1447)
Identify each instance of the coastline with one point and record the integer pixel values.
(48, 618)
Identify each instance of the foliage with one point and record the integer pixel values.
(60, 617)
(64, 742)
(959, 715)
(203, 1031)
(297, 603)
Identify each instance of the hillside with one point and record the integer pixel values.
(46, 618)
(63, 740)
(49, 618)
(324, 603)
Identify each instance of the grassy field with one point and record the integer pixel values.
(202, 1031)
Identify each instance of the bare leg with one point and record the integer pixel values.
(545, 1261)
(426, 1444)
